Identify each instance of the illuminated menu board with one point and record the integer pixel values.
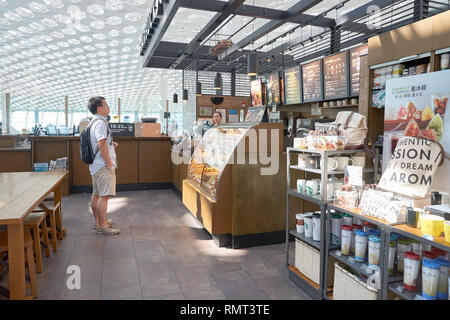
(335, 71)
(292, 85)
(312, 84)
(273, 90)
(355, 68)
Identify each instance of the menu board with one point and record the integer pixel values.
(273, 89)
(355, 68)
(292, 85)
(256, 92)
(312, 84)
(335, 76)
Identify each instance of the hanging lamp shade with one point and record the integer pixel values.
(175, 98)
(185, 95)
(218, 81)
(199, 89)
(252, 64)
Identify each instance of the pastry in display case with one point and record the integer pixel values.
(213, 154)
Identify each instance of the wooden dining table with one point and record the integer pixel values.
(20, 194)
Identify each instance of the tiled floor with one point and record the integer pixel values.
(161, 253)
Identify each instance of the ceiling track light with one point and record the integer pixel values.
(185, 95)
(252, 64)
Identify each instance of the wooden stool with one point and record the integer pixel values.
(61, 231)
(29, 258)
(33, 222)
(50, 215)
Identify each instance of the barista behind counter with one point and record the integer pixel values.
(143, 156)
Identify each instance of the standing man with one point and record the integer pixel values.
(103, 169)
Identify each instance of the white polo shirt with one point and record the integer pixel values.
(99, 131)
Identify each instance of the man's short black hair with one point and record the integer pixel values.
(94, 103)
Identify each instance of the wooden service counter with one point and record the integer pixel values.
(143, 163)
(237, 203)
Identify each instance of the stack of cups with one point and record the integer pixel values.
(403, 246)
(346, 240)
(308, 220)
(336, 229)
(300, 223)
(355, 227)
(411, 271)
(392, 248)
(430, 279)
(316, 226)
(374, 250)
(348, 220)
(361, 240)
(443, 278)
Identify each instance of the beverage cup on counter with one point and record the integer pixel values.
(332, 103)
(308, 225)
(339, 103)
(361, 240)
(346, 240)
(374, 250)
(354, 101)
(336, 229)
(444, 270)
(411, 271)
(301, 186)
(359, 161)
(316, 226)
(430, 279)
(403, 245)
(355, 228)
(343, 162)
(348, 220)
(300, 222)
(332, 164)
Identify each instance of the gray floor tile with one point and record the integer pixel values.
(168, 296)
(133, 293)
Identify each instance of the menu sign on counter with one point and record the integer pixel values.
(355, 68)
(292, 85)
(122, 129)
(312, 82)
(335, 76)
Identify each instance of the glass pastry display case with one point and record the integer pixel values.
(213, 154)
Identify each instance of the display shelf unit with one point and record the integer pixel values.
(358, 266)
(414, 233)
(318, 171)
(320, 289)
(341, 107)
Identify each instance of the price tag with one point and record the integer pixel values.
(418, 297)
(399, 288)
(428, 237)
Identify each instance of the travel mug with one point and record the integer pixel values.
(300, 223)
(316, 227)
(308, 225)
(413, 217)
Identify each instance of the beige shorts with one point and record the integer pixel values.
(104, 182)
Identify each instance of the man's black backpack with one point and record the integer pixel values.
(86, 152)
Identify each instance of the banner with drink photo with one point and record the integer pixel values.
(416, 107)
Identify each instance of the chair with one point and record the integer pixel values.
(29, 260)
(37, 223)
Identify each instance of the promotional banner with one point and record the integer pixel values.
(416, 107)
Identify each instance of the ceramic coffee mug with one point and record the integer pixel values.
(332, 164)
(359, 161)
(343, 162)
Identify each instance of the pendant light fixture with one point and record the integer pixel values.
(252, 64)
(199, 89)
(185, 95)
(175, 98)
(218, 81)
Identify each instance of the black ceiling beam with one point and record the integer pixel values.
(215, 22)
(255, 12)
(343, 21)
(170, 9)
(294, 11)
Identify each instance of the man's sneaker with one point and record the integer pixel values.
(107, 231)
(108, 222)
